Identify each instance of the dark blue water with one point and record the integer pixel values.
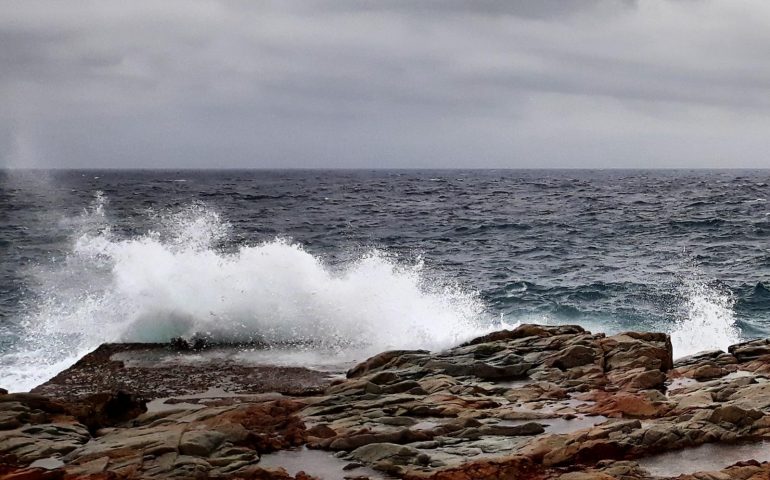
(608, 249)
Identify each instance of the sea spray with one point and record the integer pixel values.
(175, 281)
(707, 320)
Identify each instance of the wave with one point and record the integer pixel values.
(174, 281)
(707, 320)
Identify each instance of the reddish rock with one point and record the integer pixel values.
(510, 468)
(381, 360)
(271, 425)
(626, 404)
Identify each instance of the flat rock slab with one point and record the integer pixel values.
(158, 370)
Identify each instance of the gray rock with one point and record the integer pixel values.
(390, 452)
(200, 442)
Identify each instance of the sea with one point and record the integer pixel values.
(331, 266)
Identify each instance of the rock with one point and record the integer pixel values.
(404, 386)
(397, 421)
(194, 344)
(522, 331)
(586, 476)
(133, 367)
(384, 378)
(397, 437)
(645, 404)
(390, 452)
(107, 409)
(200, 443)
(633, 349)
(486, 371)
(321, 431)
(409, 413)
(573, 356)
(751, 350)
(735, 415)
(33, 474)
(637, 379)
(380, 360)
(708, 372)
(529, 428)
(697, 399)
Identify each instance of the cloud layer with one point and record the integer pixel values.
(384, 83)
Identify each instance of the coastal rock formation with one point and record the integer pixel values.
(539, 402)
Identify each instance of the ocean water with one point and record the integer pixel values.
(337, 265)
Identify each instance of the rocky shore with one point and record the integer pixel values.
(536, 402)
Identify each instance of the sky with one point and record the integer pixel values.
(385, 84)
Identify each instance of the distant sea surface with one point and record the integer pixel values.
(324, 266)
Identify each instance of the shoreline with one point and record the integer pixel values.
(535, 402)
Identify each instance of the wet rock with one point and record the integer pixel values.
(185, 345)
(586, 476)
(405, 386)
(634, 349)
(523, 331)
(383, 359)
(708, 372)
(459, 414)
(752, 350)
(133, 367)
(400, 437)
(697, 399)
(645, 404)
(574, 356)
(637, 379)
(735, 415)
(200, 443)
(107, 409)
(526, 429)
(385, 378)
(321, 431)
(485, 371)
(385, 455)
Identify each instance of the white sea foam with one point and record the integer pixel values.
(174, 281)
(707, 320)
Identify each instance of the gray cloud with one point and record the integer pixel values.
(209, 83)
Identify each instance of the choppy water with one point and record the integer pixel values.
(351, 262)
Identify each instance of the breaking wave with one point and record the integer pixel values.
(174, 281)
(707, 320)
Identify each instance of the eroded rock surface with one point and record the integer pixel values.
(540, 402)
(160, 370)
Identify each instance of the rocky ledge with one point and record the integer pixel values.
(536, 402)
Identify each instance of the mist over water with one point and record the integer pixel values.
(348, 266)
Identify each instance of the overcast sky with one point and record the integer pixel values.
(385, 83)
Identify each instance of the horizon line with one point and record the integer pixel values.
(126, 169)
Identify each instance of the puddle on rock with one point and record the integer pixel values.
(513, 383)
(560, 425)
(160, 405)
(203, 399)
(739, 374)
(49, 463)
(570, 405)
(683, 383)
(708, 457)
(680, 383)
(427, 423)
(317, 463)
